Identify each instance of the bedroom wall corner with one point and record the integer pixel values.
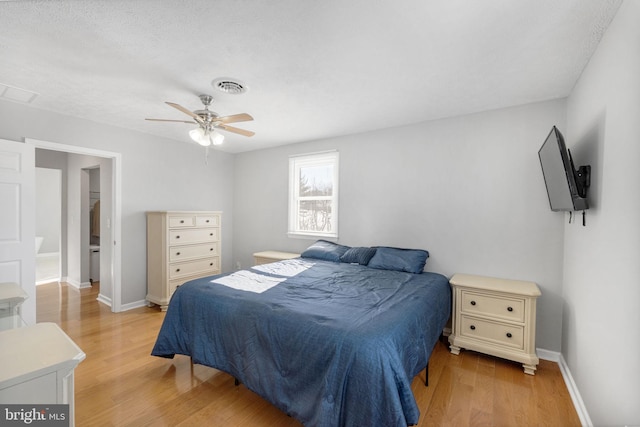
(600, 340)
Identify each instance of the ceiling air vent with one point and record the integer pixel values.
(229, 86)
(16, 94)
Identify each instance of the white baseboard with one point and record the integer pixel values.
(47, 254)
(105, 300)
(123, 307)
(44, 282)
(132, 305)
(552, 356)
(78, 285)
(578, 403)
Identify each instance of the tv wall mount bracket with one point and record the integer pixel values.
(583, 179)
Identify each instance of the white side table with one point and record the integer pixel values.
(37, 366)
(11, 298)
(496, 317)
(272, 256)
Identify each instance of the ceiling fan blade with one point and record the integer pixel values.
(243, 117)
(184, 110)
(236, 130)
(168, 120)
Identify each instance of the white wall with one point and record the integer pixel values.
(58, 160)
(157, 174)
(48, 208)
(468, 189)
(78, 182)
(601, 340)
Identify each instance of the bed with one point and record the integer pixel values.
(328, 339)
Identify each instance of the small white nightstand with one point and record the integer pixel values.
(272, 256)
(496, 317)
(11, 298)
(38, 364)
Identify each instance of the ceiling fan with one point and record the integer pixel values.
(208, 122)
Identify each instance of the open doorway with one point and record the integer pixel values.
(48, 224)
(94, 224)
(75, 239)
(68, 218)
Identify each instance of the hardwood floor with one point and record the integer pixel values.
(120, 384)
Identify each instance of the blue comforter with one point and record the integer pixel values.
(331, 344)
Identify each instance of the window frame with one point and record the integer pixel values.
(297, 162)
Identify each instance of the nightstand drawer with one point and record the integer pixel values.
(496, 332)
(492, 306)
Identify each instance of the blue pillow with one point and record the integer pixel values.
(398, 259)
(359, 255)
(324, 250)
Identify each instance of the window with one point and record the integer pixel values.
(313, 195)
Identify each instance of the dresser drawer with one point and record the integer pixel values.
(498, 307)
(186, 252)
(196, 235)
(195, 267)
(207, 221)
(496, 332)
(173, 284)
(179, 221)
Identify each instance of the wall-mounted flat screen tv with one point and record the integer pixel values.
(566, 186)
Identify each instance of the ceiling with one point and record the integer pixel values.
(314, 69)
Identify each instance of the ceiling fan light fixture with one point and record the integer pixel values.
(200, 136)
(216, 138)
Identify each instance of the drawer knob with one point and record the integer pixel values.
(211, 249)
(509, 335)
(177, 253)
(473, 303)
(177, 237)
(210, 234)
(509, 308)
(207, 221)
(177, 270)
(472, 327)
(182, 221)
(211, 263)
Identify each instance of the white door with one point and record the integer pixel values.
(17, 221)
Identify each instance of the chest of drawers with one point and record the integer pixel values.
(181, 246)
(496, 317)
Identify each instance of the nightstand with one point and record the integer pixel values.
(496, 317)
(272, 256)
(37, 368)
(11, 298)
